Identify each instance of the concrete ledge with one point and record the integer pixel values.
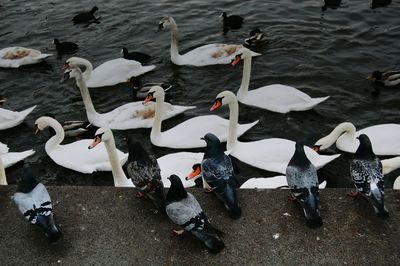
(107, 225)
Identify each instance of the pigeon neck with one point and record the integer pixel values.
(364, 152)
(300, 157)
(176, 192)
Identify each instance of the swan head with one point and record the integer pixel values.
(165, 23)
(154, 93)
(243, 53)
(323, 144)
(102, 134)
(195, 173)
(43, 122)
(223, 98)
(72, 68)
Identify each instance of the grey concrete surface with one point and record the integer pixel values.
(109, 226)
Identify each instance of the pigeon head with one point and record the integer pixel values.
(28, 182)
(214, 147)
(364, 150)
(48, 225)
(136, 150)
(176, 192)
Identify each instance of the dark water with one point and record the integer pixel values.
(320, 53)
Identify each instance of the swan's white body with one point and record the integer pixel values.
(385, 138)
(120, 179)
(9, 119)
(276, 97)
(115, 71)
(188, 134)
(270, 183)
(209, 54)
(15, 57)
(271, 154)
(76, 155)
(180, 164)
(128, 116)
(10, 158)
(388, 166)
(396, 184)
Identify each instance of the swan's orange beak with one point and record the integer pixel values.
(236, 60)
(316, 148)
(66, 65)
(37, 130)
(195, 172)
(95, 142)
(148, 99)
(217, 104)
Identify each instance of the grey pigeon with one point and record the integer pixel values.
(184, 210)
(33, 201)
(301, 176)
(217, 170)
(366, 172)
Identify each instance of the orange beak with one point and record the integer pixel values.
(37, 130)
(148, 99)
(316, 148)
(193, 174)
(217, 104)
(95, 142)
(236, 60)
(66, 65)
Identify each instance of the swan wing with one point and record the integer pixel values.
(11, 158)
(18, 56)
(10, 118)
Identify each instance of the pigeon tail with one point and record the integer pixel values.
(212, 242)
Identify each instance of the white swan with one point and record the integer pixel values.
(111, 72)
(271, 154)
(19, 56)
(10, 158)
(385, 138)
(75, 155)
(127, 116)
(209, 54)
(106, 136)
(396, 184)
(188, 134)
(388, 166)
(270, 183)
(9, 119)
(276, 97)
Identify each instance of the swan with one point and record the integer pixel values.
(105, 135)
(271, 154)
(127, 116)
(388, 166)
(15, 57)
(8, 159)
(385, 138)
(75, 155)
(188, 134)
(111, 72)
(270, 183)
(209, 54)
(276, 97)
(9, 119)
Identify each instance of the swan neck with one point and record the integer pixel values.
(174, 43)
(346, 128)
(244, 86)
(88, 66)
(116, 168)
(156, 129)
(58, 137)
(233, 122)
(3, 179)
(87, 100)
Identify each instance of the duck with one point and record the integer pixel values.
(3, 99)
(137, 56)
(65, 47)
(367, 176)
(276, 97)
(273, 182)
(195, 174)
(76, 155)
(110, 72)
(188, 134)
(380, 3)
(257, 38)
(85, 17)
(384, 138)
(232, 21)
(140, 89)
(331, 4)
(79, 129)
(217, 171)
(14, 57)
(389, 78)
(272, 154)
(9, 119)
(8, 159)
(184, 210)
(128, 116)
(209, 54)
(301, 176)
(34, 203)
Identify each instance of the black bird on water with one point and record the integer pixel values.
(231, 22)
(65, 47)
(137, 56)
(86, 17)
(184, 210)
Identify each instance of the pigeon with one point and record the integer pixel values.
(366, 173)
(33, 201)
(137, 56)
(301, 176)
(184, 210)
(145, 173)
(217, 171)
(85, 17)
